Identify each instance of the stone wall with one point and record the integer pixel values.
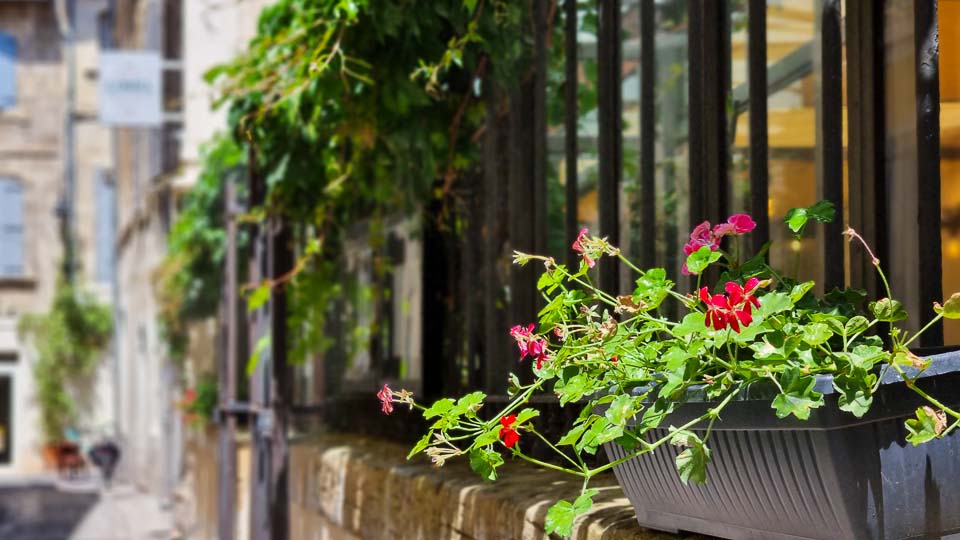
(350, 487)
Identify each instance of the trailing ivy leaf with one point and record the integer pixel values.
(798, 396)
(526, 415)
(440, 407)
(888, 310)
(797, 218)
(855, 391)
(652, 288)
(691, 462)
(773, 303)
(257, 354)
(421, 445)
(866, 356)
(560, 516)
(574, 434)
(950, 308)
(692, 322)
(855, 325)
(258, 297)
(485, 462)
(699, 260)
(471, 403)
(816, 333)
(488, 437)
(800, 290)
(927, 425)
(621, 409)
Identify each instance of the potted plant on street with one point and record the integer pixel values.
(763, 410)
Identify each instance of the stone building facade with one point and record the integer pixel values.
(32, 173)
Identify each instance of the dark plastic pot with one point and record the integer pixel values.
(833, 477)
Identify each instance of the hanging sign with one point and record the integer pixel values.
(130, 88)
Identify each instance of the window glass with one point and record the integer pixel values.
(588, 171)
(670, 89)
(793, 77)
(949, 13)
(11, 228)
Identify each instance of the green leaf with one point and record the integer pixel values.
(773, 303)
(800, 290)
(927, 425)
(855, 325)
(652, 288)
(471, 402)
(692, 323)
(950, 308)
(258, 297)
(526, 415)
(856, 391)
(816, 333)
(257, 353)
(798, 396)
(439, 408)
(485, 462)
(692, 462)
(621, 410)
(560, 516)
(699, 260)
(574, 434)
(797, 218)
(488, 437)
(421, 445)
(888, 310)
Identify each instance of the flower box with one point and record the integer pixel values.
(832, 477)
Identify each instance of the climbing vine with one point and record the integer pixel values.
(69, 341)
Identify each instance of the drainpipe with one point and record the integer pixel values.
(64, 12)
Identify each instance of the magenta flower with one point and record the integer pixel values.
(385, 395)
(580, 246)
(742, 223)
(530, 344)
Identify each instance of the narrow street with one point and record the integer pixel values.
(44, 510)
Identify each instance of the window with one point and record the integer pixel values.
(11, 228)
(106, 233)
(8, 67)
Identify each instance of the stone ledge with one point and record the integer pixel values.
(351, 487)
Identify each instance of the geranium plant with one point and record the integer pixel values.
(627, 366)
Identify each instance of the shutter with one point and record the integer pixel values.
(8, 66)
(105, 226)
(11, 228)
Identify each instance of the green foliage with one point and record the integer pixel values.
(204, 400)
(626, 367)
(69, 341)
(797, 218)
(189, 282)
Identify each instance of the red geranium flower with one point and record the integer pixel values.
(385, 395)
(733, 309)
(508, 435)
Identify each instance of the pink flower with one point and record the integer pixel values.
(742, 223)
(385, 395)
(733, 309)
(508, 435)
(529, 344)
(723, 229)
(580, 246)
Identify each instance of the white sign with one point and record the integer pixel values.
(130, 88)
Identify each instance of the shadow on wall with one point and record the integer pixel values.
(41, 511)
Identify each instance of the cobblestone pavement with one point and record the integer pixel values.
(43, 509)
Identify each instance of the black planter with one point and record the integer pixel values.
(832, 477)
